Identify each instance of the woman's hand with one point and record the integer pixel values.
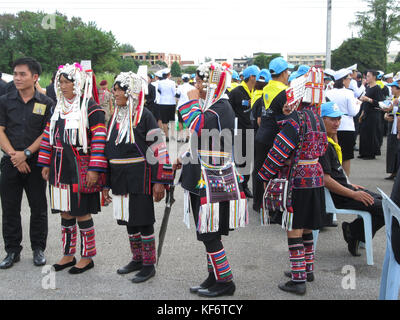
(91, 178)
(177, 164)
(106, 196)
(158, 192)
(45, 173)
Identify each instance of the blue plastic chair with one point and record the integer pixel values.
(366, 216)
(390, 280)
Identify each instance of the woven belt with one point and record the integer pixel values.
(305, 162)
(127, 160)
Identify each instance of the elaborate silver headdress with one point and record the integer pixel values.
(217, 78)
(74, 112)
(129, 116)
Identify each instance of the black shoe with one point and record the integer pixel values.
(145, 274)
(293, 287)
(248, 193)
(391, 177)
(352, 244)
(38, 258)
(209, 282)
(130, 267)
(9, 260)
(310, 276)
(218, 289)
(59, 267)
(75, 270)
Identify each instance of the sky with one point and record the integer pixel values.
(226, 29)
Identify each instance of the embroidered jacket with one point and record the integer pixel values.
(309, 173)
(62, 158)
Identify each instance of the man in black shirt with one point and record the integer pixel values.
(344, 194)
(240, 100)
(23, 116)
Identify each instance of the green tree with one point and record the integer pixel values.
(161, 63)
(364, 52)
(126, 47)
(176, 69)
(190, 69)
(128, 64)
(71, 40)
(380, 25)
(262, 61)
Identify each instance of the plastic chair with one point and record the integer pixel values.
(390, 280)
(366, 216)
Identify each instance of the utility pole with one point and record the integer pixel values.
(328, 34)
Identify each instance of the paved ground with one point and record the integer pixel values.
(258, 256)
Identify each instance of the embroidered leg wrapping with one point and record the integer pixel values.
(308, 241)
(135, 241)
(221, 267)
(69, 234)
(149, 250)
(297, 259)
(88, 241)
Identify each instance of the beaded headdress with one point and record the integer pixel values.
(74, 112)
(128, 116)
(217, 78)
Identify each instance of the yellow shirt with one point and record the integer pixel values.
(271, 90)
(256, 94)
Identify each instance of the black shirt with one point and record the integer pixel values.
(240, 102)
(24, 122)
(376, 94)
(3, 86)
(50, 92)
(331, 165)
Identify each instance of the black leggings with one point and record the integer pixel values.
(143, 230)
(213, 245)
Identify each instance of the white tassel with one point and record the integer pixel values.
(186, 208)
(121, 207)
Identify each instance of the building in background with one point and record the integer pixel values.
(310, 59)
(153, 57)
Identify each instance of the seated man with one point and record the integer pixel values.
(344, 194)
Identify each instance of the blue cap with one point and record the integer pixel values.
(301, 71)
(331, 110)
(394, 84)
(193, 75)
(265, 74)
(251, 71)
(235, 75)
(278, 65)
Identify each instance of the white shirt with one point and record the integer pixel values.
(182, 90)
(347, 104)
(167, 91)
(358, 91)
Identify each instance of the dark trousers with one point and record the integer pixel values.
(12, 185)
(357, 226)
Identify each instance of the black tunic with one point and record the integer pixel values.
(219, 116)
(369, 127)
(137, 178)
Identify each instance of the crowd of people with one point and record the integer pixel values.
(92, 146)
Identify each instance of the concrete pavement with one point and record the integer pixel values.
(258, 256)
